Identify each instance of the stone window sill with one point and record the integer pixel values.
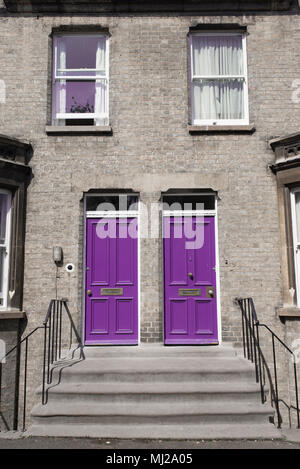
(78, 130)
(222, 128)
(12, 314)
(288, 312)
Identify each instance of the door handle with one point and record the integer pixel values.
(89, 293)
(190, 274)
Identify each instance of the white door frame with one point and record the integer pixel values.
(207, 213)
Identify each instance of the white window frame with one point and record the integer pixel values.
(296, 243)
(245, 120)
(56, 78)
(6, 247)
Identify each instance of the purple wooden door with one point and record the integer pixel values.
(111, 283)
(190, 284)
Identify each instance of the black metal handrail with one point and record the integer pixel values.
(52, 352)
(253, 351)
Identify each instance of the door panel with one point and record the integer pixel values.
(99, 270)
(190, 283)
(124, 261)
(204, 316)
(177, 264)
(124, 316)
(111, 284)
(178, 316)
(99, 317)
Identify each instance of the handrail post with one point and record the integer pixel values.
(297, 397)
(276, 382)
(250, 328)
(44, 364)
(260, 367)
(251, 342)
(52, 327)
(247, 330)
(243, 325)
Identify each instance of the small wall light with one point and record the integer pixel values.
(57, 254)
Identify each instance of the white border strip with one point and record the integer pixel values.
(202, 213)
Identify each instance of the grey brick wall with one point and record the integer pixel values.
(9, 334)
(149, 116)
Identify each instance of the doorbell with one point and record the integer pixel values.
(70, 268)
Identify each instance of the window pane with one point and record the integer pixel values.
(3, 213)
(80, 96)
(81, 52)
(218, 99)
(218, 55)
(189, 202)
(109, 202)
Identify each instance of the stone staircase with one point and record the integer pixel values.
(153, 391)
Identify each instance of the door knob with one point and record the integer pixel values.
(190, 274)
(210, 292)
(89, 292)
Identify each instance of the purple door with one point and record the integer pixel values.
(190, 282)
(111, 282)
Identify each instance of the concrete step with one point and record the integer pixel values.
(191, 392)
(147, 369)
(161, 350)
(152, 391)
(212, 431)
(154, 413)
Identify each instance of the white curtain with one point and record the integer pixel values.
(101, 84)
(61, 92)
(213, 56)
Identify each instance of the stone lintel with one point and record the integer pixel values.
(82, 182)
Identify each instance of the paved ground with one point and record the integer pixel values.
(86, 443)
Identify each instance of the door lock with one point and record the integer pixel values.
(89, 292)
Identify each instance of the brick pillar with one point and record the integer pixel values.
(151, 323)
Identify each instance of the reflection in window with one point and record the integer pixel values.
(107, 202)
